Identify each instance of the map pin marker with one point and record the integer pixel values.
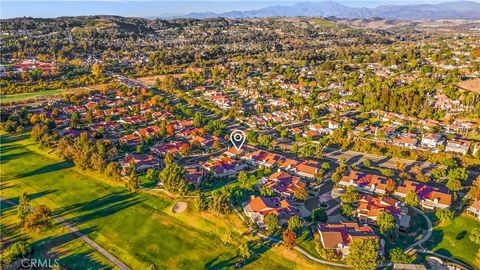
(237, 137)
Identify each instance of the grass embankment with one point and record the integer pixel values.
(452, 239)
(138, 229)
(24, 96)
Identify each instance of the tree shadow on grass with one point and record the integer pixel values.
(6, 158)
(81, 261)
(258, 248)
(13, 137)
(101, 207)
(6, 205)
(46, 245)
(47, 169)
(7, 148)
(354, 159)
(380, 161)
(45, 248)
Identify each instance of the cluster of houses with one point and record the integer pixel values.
(429, 197)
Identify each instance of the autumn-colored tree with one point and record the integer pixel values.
(289, 237)
(390, 186)
(170, 129)
(185, 149)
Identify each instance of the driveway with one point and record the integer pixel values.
(324, 195)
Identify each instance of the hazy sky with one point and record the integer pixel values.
(145, 8)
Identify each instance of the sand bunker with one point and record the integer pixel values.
(179, 207)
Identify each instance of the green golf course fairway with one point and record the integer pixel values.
(23, 96)
(138, 229)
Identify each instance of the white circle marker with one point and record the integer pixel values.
(237, 137)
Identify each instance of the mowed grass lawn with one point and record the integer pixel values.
(57, 242)
(452, 239)
(23, 96)
(138, 229)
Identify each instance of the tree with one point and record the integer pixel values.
(220, 202)
(319, 215)
(295, 224)
(458, 174)
(444, 215)
(74, 120)
(363, 254)
(185, 150)
(243, 177)
(173, 177)
(411, 199)
(346, 210)
(23, 208)
(89, 117)
(397, 255)
(97, 70)
(245, 252)
(16, 250)
(390, 186)
(454, 184)
(266, 192)
(201, 202)
(367, 163)
(350, 196)
(475, 235)
(271, 221)
(39, 219)
(113, 170)
(387, 225)
(301, 194)
(289, 237)
(133, 183)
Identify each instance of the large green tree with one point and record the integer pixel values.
(363, 254)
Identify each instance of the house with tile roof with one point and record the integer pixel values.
(283, 184)
(365, 182)
(142, 162)
(224, 166)
(429, 197)
(258, 207)
(458, 146)
(369, 208)
(474, 209)
(339, 236)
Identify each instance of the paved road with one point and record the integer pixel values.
(429, 232)
(85, 238)
(353, 157)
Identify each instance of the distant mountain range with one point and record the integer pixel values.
(451, 10)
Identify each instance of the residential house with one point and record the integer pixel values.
(406, 140)
(262, 158)
(283, 184)
(369, 208)
(458, 146)
(224, 166)
(173, 148)
(194, 175)
(258, 207)
(339, 236)
(431, 140)
(430, 197)
(365, 182)
(142, 162)
(131, 139)
(474, 209)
